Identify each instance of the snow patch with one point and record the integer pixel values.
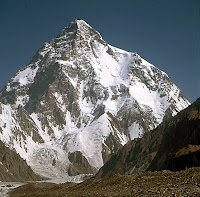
(26, 76)
(135, 131)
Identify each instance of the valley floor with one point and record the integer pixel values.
(6, 187)
(163, 183)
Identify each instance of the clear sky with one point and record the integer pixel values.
(164, 32)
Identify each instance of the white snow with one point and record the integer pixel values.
(135, 131)
(6, 123)
(25, 76)
(22, 100)
(150, 98)
(60, 101)
(110, 71)
(42, 133)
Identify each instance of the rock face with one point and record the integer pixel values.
(184, 161)
(181, 142)
(173, 145)
(135, 156)
(82, 95)
(80, 164)
(13, 167)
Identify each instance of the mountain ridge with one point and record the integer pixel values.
(173, 145)
(13, 168)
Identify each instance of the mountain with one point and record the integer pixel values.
(173, 145)
(13, 167)
(79, 100)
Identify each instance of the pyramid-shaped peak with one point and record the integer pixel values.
(81, 22)
(79, 27)
(78, 24)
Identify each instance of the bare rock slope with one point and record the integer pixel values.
(173, 145)
(13, 167)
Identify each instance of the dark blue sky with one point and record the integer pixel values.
(164, 32)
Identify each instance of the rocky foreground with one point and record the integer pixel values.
(162, 183)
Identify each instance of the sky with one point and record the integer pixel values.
(164, 32)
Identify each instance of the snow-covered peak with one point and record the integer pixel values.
(81, 22)
(78, 26)
(81, 95)
(78, 23)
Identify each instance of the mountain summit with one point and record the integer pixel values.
(79, 100)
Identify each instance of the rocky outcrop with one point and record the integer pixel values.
(183, 162)
(135, 156)
(14, 168)
(180, 145)
(79, 164)
(173, 145)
